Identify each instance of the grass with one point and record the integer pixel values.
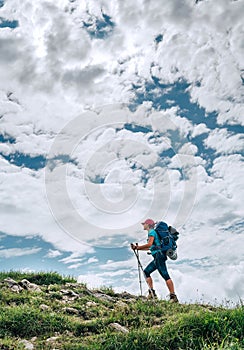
(25, 321)
(41, 278)
(152, 325)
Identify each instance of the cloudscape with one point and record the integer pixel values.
(114, 112)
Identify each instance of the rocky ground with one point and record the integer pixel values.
(68, 315)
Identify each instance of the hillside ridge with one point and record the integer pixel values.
(49, 311)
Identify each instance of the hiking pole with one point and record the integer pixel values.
(141, 267)
(139, 270)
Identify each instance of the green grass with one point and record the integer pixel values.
(39, 278)
(152, 325)
(25, 321)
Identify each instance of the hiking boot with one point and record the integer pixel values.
(173, 298)
(151, 294)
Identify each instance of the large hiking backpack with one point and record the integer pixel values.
(168, 236)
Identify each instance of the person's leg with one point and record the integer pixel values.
(160, 263)
(150, 282)
(170, 286)
(147, 272)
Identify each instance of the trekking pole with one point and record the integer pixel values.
(139, 270)
(141, 267)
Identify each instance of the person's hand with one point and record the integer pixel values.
(133, 246)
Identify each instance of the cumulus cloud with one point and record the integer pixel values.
(199, 130)
(224, 142)
(61, 52)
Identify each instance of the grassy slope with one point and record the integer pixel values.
(151, 325)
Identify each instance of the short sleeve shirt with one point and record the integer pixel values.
(156, 242)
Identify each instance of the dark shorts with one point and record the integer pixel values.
(159, 264)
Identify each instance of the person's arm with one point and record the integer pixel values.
(144, 246)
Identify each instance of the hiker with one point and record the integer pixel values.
(159, 260)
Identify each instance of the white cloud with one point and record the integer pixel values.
(231, 114)
(214, 284)
(112, 207)
(114, 265)
(230, 181)
(224, 142)
(23, 197)
(73, 258)
(92, 281)
(53, 253)
(92, 260)
(74, 266)
(210, 52)
(199, 130)
(14, 252)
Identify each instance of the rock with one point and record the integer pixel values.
(13, 285)
(44, 307)
(126, 295)
(91, 303)
(24, 284)
(86, 291)
(80, 286)
(116, 326)
(16, 288)
(51, 339)
(27, 344)
(69, 295)
(68, 292)
(73, 285)
(29, 286)
(71, 310)
(10, 282)
(104, 297)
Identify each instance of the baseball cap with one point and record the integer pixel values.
(149, 222)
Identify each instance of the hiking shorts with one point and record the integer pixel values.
(158, 263)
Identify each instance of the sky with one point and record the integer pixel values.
(115, 112)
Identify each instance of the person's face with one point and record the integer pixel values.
(145, 227)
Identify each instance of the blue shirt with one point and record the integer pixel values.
(156, 242)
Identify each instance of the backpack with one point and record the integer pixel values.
(168, 236)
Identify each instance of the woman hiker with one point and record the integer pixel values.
(158, 263)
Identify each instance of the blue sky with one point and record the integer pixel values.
(108, 117)
(34, 254)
